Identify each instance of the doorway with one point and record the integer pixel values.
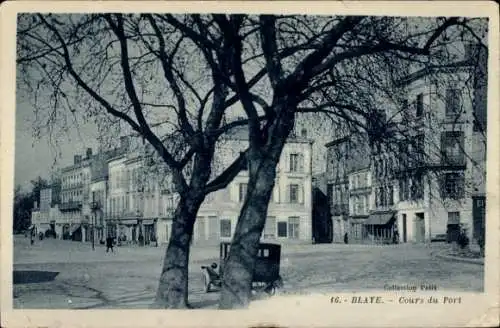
(419, 227)
(405, 229)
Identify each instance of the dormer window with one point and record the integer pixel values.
(420, 105)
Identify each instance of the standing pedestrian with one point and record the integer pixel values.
(109, 244)
(346, 238)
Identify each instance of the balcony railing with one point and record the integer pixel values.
(131, 215)
(68, 206)
(453, 160)
(360, 190)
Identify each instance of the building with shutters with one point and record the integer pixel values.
(289, 216)
(75, 193)
(345, 156)
(431, 181)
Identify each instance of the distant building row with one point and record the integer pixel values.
(428, 180)
(112, 194)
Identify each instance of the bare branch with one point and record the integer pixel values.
(85, 86)
(223, 180)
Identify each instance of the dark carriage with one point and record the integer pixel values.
(266, 276)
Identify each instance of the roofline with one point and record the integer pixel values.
(337, 141)
(451, 68)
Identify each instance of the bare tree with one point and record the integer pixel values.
(308, 69)
(160, 79)
(274, 66)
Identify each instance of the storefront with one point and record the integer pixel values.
(150, 236)
(380, 227)
(127, 231)
(76, 232)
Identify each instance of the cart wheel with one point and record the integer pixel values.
(272, 290)
(206, 284)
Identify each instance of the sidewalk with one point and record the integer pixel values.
(444, 255)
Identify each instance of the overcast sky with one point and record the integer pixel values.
(36, 157)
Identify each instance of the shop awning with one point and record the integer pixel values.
(127, 222)
(74, 228)
(148, 222)
(380, 218)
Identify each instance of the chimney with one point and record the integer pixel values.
(89, 153)
(77, 159)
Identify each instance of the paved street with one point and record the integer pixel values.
(128, 278)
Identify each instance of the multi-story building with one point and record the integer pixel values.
(98, 194)
(429, 184)
(117, 201)
(133, 198)
(40, 215)
(337, 185)
(321, 217)
(429, 179)
(46, 215)
(344, 155)
(289, 215)
(360, 204)
(75, 192)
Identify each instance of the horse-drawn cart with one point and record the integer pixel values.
(266, 276)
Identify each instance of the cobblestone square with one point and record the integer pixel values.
(128, 278)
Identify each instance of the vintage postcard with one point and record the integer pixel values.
(249, 163)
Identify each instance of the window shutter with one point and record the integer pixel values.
(462, 145)
(461, 186)
(288, 193)
(301, 193)
(441, 182)
(449, 101)
(301, 162)
(443, 146)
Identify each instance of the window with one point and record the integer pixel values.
(453, 185)
(303, 133)
(417, 188)
(294, 193)
(329, 193)
(270, 227)
(390, 195)
(404, 188)
(296, 163)
(242, 191)
(452, 101)
(282, 229)
(420, 147)
(384, 196)
(452, 148)
(420, 105)
(293, 227)
(225, 228)
(453, 217)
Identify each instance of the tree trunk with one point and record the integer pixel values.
(172, 290)
(238, 268)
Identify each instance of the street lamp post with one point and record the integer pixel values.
(93, 230)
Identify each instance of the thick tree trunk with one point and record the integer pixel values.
(238, 268)
(172, 290)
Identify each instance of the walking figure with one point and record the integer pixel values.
(109, 244)
(346, 238)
